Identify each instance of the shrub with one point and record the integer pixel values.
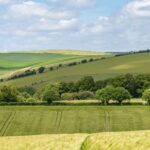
(28, 89)
(85, 95)
(41, 69)
(72, 64)
(1, 80)
(84, 61)
(50, 94)
(86, 84)
(51, 68)
(91, 60)
(69, 96)
(105, 94)
(60, 65)
(120, 94)
(146, 96)
(8, 94)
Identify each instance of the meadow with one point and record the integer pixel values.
(35, 120)
(102, 69)
(10, 62)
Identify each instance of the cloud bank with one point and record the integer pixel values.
(55, 24)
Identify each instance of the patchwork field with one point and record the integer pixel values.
(10, 62)
(29, 120)
(106, 68)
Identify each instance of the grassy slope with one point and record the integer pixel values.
(16, 120)
(13, 61)
(110, 67)
(102, 141)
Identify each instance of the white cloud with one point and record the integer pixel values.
(31, 9)
(97, 27)
(3, 2)
(46, 25)
(139, 8)
(82, 3)
(79, 3)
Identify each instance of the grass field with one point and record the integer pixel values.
(10, 62)
(110, 67)
(29, 120)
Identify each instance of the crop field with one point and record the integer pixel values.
(29, 120)
(100, 141)
(109, 67)
(118, 141)
(71, 52)
(10, 62)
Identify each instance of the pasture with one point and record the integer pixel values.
(34, 120)
(10, 62)
(102, 69)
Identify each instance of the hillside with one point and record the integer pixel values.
(10, 62)
(109, 67)
(71, 52)
(100, 141)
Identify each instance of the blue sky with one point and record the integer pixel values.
(102, 25)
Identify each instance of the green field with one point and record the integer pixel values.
(29, 120)
(109, 67)
(10, 62)
(74, 128)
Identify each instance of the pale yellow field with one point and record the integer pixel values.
(43, 142)
(71, 52)
(118, 141)
(138, 140)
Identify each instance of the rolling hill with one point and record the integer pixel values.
(102, 69)
(10, 62)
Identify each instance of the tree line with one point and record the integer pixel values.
(117, 89)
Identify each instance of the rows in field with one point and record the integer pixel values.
(83, 120)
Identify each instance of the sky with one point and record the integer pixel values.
(100, 25)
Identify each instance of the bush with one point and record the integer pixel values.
(69, 96)
(41, 69)
(85, 95)
(146, 96)
(86, 84)
(105, 94)
(72, 64)
(51, 68)
(8, 94)
(84, 61)
(50, 94)
(28, 89)
(120, 94)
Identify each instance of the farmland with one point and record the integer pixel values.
(102, 69)
(100, 141)
(18, 120)
(10, 62)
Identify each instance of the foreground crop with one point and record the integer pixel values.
(102, 141)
